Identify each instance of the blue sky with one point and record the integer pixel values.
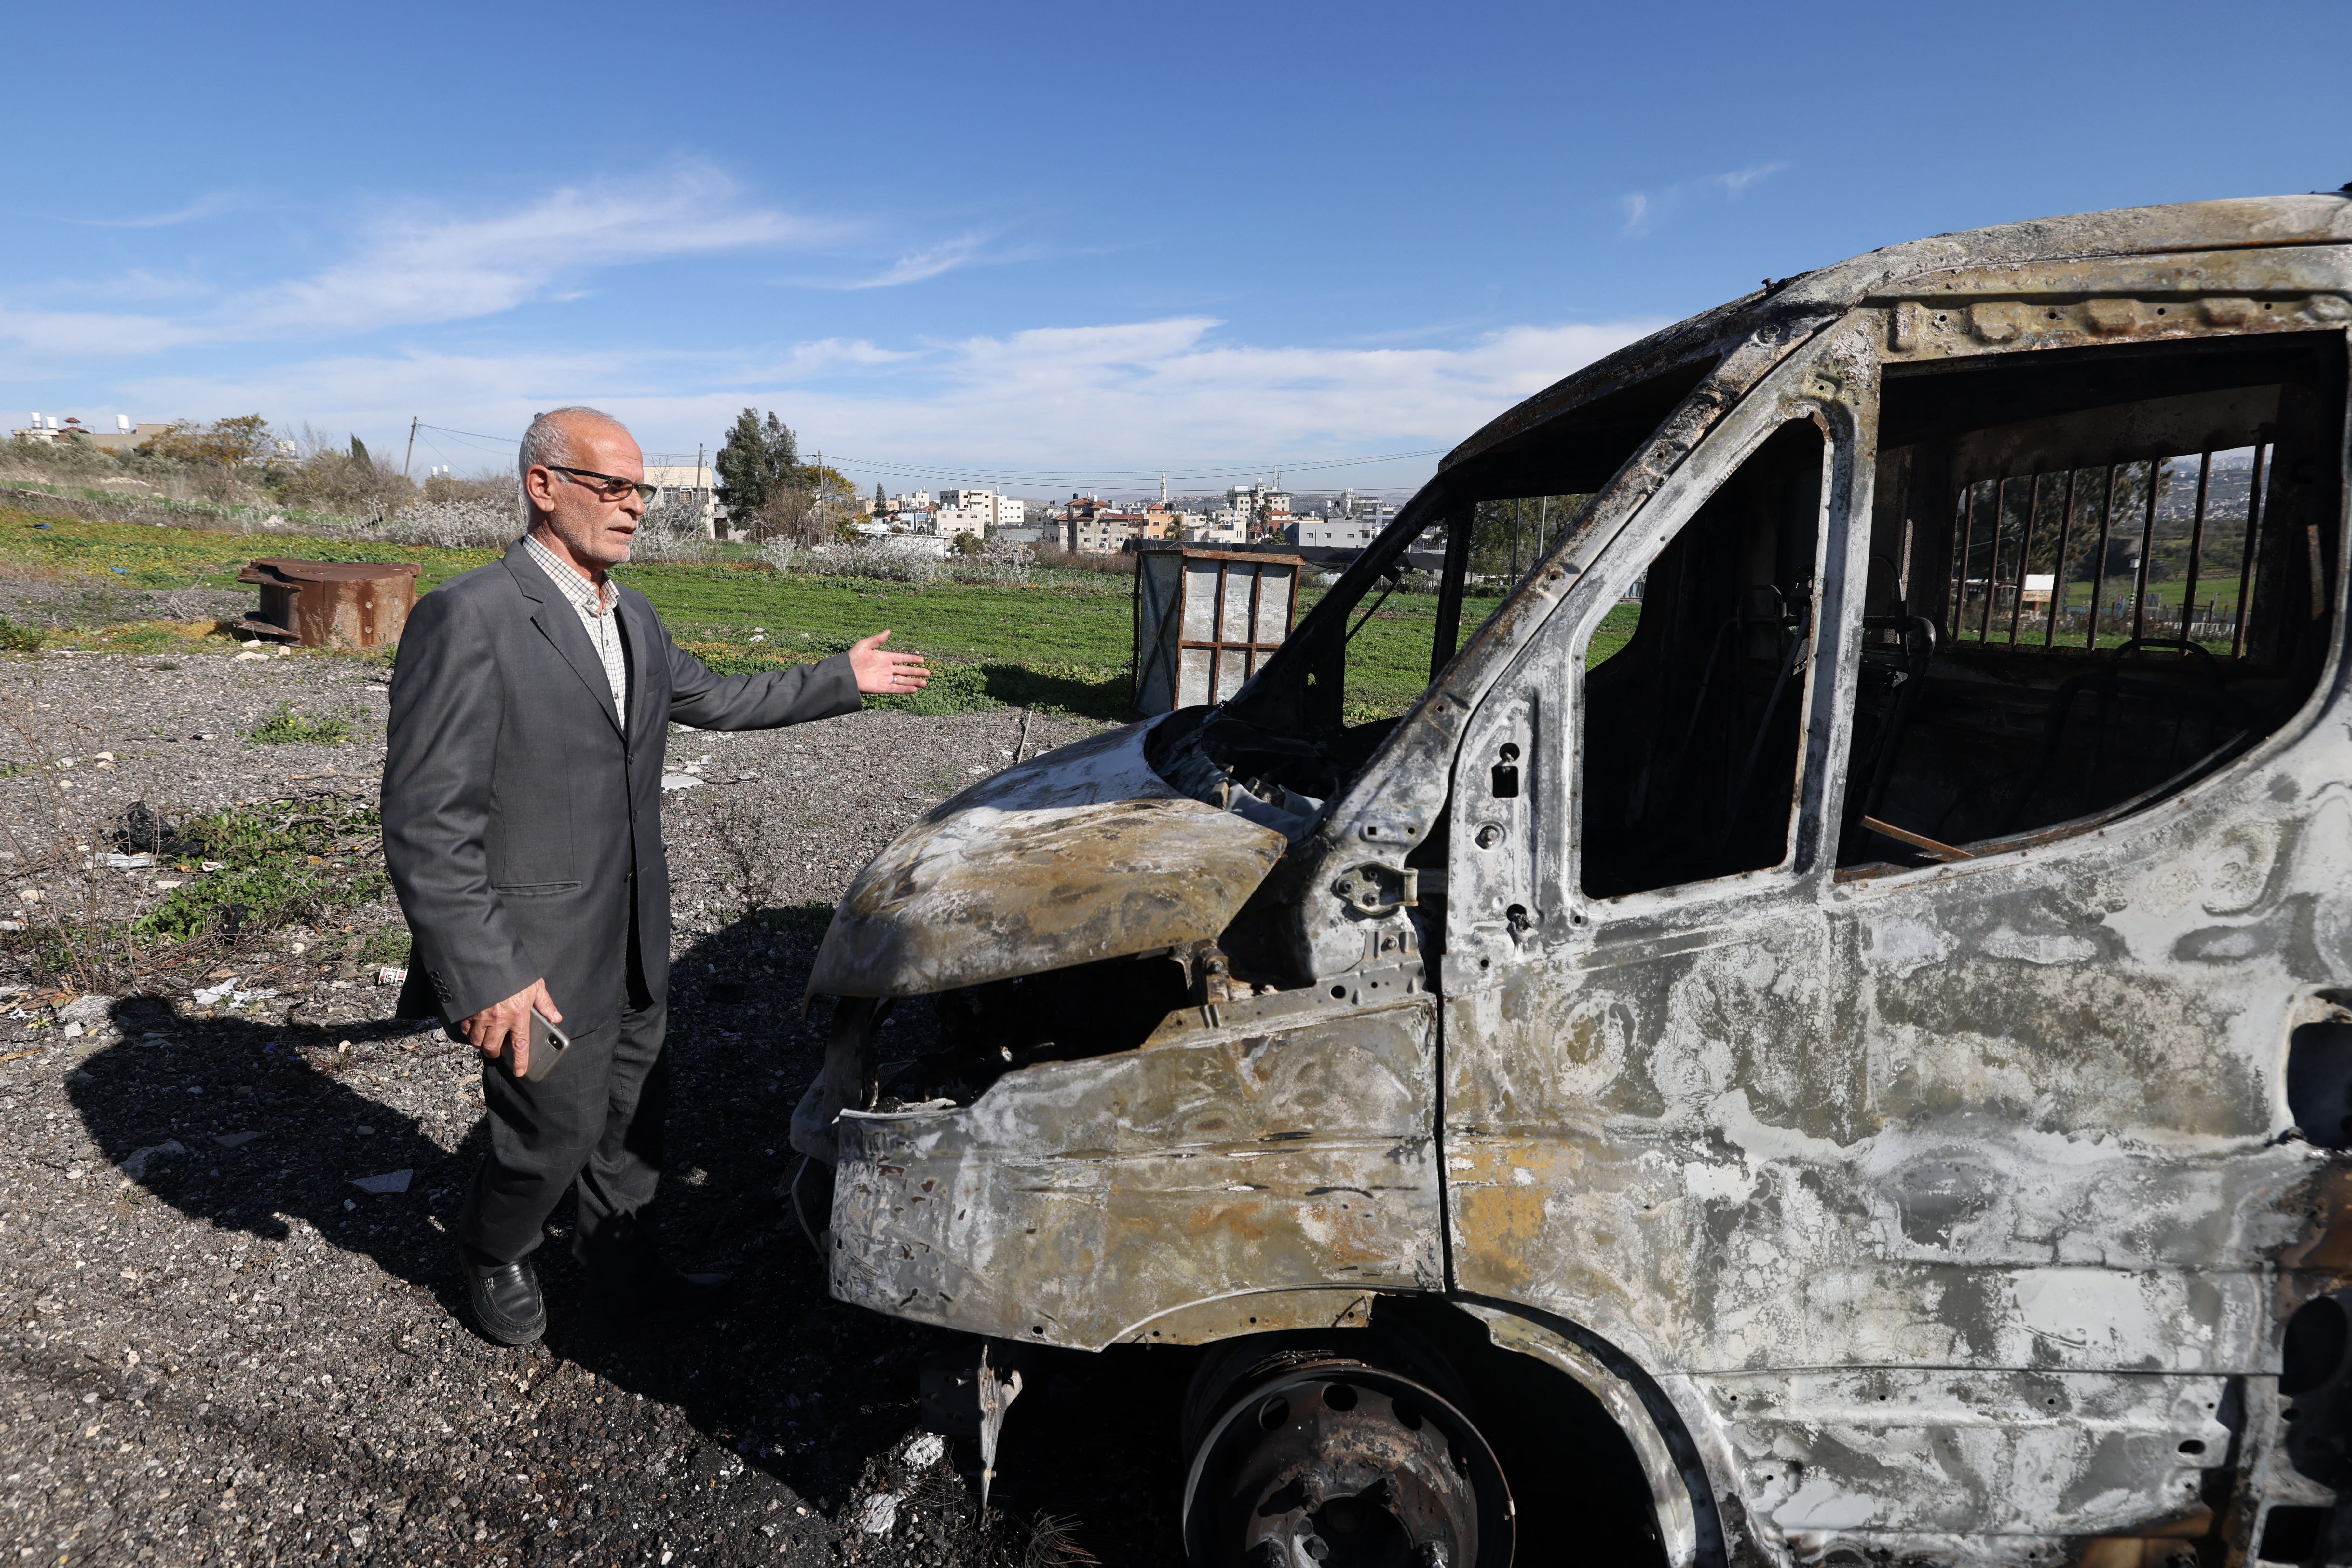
(1054, 242)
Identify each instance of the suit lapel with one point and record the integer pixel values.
(558, 623)
(646, 677)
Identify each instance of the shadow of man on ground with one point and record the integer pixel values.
(788, 1401)
(246, 1124)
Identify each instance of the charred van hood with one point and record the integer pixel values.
(1085, 853)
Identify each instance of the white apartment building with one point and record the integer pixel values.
(977, 511)
(1337, 532)
(1105, 533)
(1222, 526)
(1248, 500)
(1349, 521)
(693, 485)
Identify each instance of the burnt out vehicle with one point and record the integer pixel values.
(1862, 1075)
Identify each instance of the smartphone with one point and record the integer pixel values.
(547, 1044)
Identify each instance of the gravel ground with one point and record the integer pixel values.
(217, 1347)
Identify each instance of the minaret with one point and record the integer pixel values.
(1164, 488)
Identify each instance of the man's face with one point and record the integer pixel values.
(599, 532)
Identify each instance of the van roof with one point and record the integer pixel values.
(1811, 300)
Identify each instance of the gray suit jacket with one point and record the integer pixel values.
(520, 820)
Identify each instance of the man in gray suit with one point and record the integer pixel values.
(522, 830)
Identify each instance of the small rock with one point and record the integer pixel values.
(234, 1140)
(389, 1182)
(85, 1009)
(136, 1165)
(680, 781)
(879, 1513)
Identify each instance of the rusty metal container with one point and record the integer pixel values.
(1205, 619)
(332, 603)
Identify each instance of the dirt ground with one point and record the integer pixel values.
(217, 1347)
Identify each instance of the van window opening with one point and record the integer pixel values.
(1690, 758)
(2076, 614)
(1324, 702)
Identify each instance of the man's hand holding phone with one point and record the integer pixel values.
(505, 1026)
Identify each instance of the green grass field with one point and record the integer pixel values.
(1060, 644)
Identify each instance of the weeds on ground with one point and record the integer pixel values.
(286, 727)
(75, 856)
(15, 639)
(272, 865)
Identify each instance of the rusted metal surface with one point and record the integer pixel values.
(1931, 1214)
(1091, 1201)
(332, 604)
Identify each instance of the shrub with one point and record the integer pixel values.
(15, 639)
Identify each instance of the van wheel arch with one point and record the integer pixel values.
(1593, 1454)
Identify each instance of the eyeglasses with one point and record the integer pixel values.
(610, 487)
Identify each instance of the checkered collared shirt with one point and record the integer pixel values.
(598, 606)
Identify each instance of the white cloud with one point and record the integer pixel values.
(1052, 400)
(423, 266)
(916, 266)
(1645, 210)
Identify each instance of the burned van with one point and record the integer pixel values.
(1861, 1074)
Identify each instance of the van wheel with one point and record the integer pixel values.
(1326, 1461)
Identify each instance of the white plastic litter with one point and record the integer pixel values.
(227, 994)
(924, 1451)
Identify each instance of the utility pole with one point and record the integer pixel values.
(412, 443)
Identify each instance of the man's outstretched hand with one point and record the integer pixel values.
(881, 673)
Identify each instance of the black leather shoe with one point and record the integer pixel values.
(507, 1303)
(662, 1290)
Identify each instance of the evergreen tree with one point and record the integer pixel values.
(759, 459)
(359, 451)
(880, 506)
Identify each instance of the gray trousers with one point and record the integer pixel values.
(596, 1120)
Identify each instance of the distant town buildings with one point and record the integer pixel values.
(125, 435)
(976, 511)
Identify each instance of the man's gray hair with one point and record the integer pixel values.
(545, 444)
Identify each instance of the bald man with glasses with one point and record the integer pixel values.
(522, 830)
